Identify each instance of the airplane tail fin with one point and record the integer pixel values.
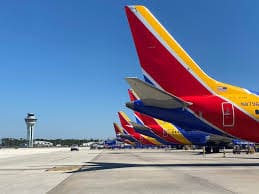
(121, 136)
(117, 129)
(164, 62)
(132, 95)
(125, 122)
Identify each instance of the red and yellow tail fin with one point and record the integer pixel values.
(164, 62)
(125, 122)
(132, 95)
(117, 129)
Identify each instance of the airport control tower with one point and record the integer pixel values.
(30, 121)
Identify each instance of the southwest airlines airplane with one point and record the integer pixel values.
(168, 131)
(180, 92)
(141, 139)
(121, 136)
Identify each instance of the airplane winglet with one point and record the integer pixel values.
(152, 96)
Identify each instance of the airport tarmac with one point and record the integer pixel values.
(38, 170)
(128, 171)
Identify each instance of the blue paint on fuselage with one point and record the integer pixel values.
(150, 133)
(195, 137)
(179, 117)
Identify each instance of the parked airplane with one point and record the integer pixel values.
(167, 130)
(122, 136)
(183, 93)
(142, 139)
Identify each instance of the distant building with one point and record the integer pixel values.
(88, 144)
(43, 144)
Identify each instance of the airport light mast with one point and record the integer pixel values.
(30, 121)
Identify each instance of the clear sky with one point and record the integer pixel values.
(66, 60)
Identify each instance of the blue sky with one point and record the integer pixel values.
(66, 60)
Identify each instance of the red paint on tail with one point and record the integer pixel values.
(125, 123)
(160, 64)
(116, 129)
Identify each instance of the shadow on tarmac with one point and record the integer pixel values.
(240, 157)
(236, 157)
(96, 166)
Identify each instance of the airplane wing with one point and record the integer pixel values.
(152, 96)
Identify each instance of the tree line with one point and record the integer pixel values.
(21, 142)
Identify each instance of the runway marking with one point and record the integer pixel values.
(21, 169)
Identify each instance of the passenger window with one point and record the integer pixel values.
(257, 112)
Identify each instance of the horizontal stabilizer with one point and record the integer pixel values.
(152, 96)
(124, 136)
(140, 127)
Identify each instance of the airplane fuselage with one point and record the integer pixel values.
(210, 114)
